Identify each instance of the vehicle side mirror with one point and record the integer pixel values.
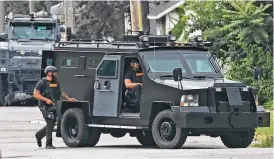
(177, 74)
(257, 72)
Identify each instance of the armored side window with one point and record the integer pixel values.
(107, 69)
(69, 62)
(92, 63)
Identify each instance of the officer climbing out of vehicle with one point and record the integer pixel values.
(133, 82)
(47, 91)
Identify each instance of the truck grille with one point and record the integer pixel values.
(29, 86)
(223, 104)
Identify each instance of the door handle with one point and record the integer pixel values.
(107, 84)
(80, 75)
(105, 91)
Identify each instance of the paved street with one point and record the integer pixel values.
(17, 141)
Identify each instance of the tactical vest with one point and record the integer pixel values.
(52, 91)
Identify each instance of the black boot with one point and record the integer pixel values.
(39, 143)
(50, 147)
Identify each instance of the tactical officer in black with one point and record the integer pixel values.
(48, 92)
(133, 82)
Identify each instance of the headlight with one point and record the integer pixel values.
(245, 89)
(189, 100)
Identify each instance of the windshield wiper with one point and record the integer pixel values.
(208, 77)
(23, 40)
(163, 76)
(203, 77)
(45, 38)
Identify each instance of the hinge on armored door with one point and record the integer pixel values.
(97, 84)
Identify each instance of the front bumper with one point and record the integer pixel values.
(201, 117)
(19, 96)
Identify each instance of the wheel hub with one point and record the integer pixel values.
(167, 132)
(72, 128)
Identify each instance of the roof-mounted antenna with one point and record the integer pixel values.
(154, 54)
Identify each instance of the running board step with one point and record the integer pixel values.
(115, 126)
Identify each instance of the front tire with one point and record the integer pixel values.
(73, 129)
(241, 139)
(165, 133)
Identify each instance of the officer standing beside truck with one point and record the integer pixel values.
(48, 92)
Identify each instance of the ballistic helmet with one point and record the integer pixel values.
(50, 69)
(134, 61)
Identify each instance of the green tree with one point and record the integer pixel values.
(101, 19)
(247, 22)
(17, 7)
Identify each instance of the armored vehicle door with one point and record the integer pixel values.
(107, 86)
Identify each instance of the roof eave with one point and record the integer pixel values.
(166, 11)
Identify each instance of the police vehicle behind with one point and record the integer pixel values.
(183, 93)
(20, 54)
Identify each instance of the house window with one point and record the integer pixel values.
(107, 69)
(69, 62)
(92, 63)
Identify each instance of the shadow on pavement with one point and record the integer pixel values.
(133, 147)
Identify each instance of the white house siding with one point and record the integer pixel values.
(172, 19)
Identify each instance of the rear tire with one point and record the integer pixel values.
(240, 139)
(73, 129)
(165, 133)
(145, 138)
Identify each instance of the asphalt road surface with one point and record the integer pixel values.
(17, 141)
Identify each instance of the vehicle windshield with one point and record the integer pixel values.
(191, 62)
(164, 62)
(43, 31)
(199, 63)
(21, 31)
(32, 31)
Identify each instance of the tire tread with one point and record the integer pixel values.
(85, 132)
(231, 142)
(182, 138)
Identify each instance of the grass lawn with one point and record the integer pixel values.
(264, 136)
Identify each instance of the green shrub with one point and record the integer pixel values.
(269, 105)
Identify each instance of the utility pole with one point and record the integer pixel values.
(69, 14)
(138, 11)
(135, 14)
(31, 6)
(2, 17)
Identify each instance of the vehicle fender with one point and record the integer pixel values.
(84, 105)
(158, 106)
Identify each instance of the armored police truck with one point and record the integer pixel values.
(20, 63)
(183, 93)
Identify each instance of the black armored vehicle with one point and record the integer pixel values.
(183, 93)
